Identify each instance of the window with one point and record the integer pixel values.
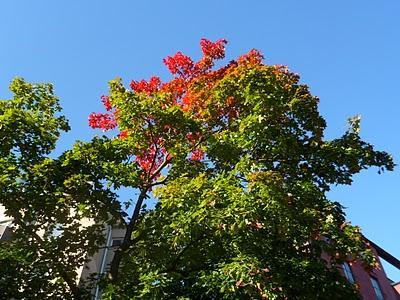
(377, 288)
(5, 233)
(116, 243)
(348, 273)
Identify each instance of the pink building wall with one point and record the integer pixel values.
(363, 281)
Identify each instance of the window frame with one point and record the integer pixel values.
(348, 272)
(377, 288)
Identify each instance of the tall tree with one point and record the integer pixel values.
(239, 166)
(236, 161)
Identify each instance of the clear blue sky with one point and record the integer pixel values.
(346, 51)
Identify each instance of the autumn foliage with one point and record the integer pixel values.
(187, 92)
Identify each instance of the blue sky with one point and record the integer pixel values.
(346, 51)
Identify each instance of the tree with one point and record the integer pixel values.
(235, 157)
(28, 131)
(49, 198)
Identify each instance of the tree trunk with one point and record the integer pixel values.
(115, 263)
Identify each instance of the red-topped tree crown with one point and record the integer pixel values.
(185, 92)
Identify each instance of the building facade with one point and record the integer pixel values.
(374, 285)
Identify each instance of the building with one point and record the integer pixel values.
(100, 262)
(374, 285)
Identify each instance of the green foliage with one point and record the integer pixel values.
(239, 169)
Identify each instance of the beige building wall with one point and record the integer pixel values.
(100, 262)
